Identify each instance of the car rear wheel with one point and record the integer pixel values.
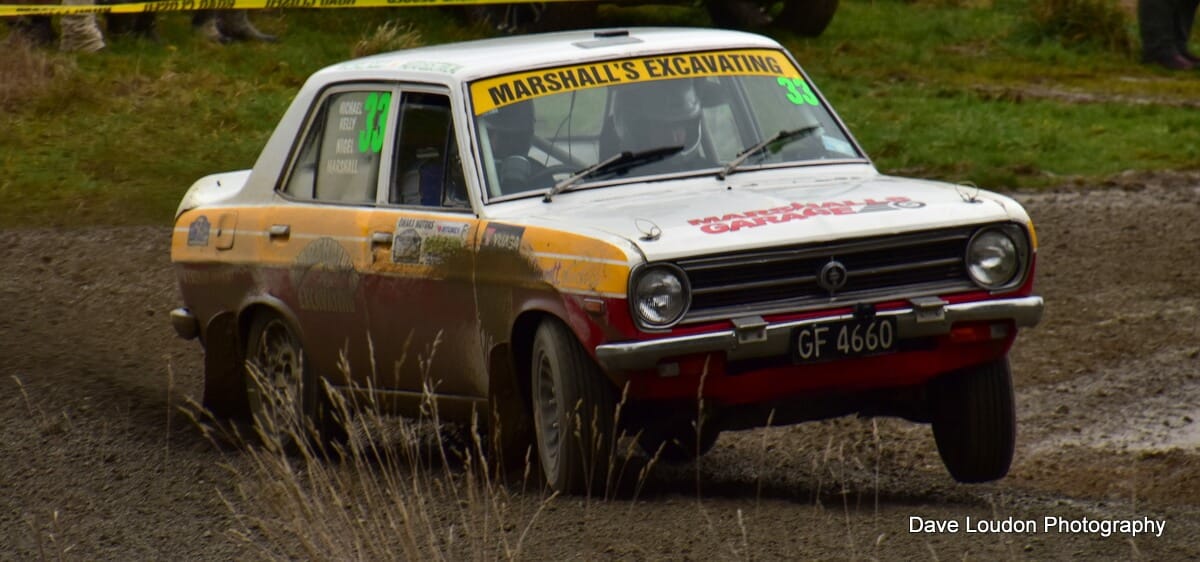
(287, 403)
(573, 411)
(975, 422)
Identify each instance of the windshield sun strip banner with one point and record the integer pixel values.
(496, 92)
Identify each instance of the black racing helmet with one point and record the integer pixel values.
(511, 129)
(656, 114)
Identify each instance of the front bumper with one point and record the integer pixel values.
(752, 337)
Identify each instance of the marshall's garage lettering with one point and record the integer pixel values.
(733, 222)
(492, 93)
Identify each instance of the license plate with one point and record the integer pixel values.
(838, 340)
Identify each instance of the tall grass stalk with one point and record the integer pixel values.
(394, 490)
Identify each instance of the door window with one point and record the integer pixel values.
(429, 170)
(339, 158)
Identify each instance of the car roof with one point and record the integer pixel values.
(470, 60)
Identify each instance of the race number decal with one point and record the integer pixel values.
(370, 139)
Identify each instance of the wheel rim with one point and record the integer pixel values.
(275, 397)
(548, 414)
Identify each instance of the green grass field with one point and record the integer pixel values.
(932, 89)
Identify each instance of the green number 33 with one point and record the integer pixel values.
(798, 91)
(370, 139)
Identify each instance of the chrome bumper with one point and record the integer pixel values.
(752, 337)
(185, 323)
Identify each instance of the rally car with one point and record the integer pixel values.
(660, 233)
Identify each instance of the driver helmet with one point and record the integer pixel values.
(657, 114)
(510, 129)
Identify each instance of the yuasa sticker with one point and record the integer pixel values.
(503, 237)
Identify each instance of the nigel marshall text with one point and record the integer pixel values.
(1050, 524)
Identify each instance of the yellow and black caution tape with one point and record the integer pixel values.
(10, 10)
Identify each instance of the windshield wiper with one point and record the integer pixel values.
(616, 163)
(781, 136)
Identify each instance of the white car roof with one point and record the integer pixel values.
(466, 61)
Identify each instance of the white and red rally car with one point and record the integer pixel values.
(529, 229)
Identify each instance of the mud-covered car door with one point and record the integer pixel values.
(420, 291)
(330, 191)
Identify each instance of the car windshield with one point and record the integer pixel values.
(535, 129)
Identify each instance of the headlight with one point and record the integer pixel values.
(993, 259)
(660, 296)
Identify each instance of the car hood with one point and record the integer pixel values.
(698, 216)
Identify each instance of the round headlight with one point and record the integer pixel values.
(992, 259)
(660, 296)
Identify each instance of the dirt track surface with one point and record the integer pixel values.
(98, 463)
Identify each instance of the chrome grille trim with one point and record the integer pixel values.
(785, 279)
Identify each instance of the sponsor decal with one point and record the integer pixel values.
(198, 231)
(427, 241)
(431, 66)
(494, 93)
(733, 222)
(406, 246)
(324, 277)
(503, 237)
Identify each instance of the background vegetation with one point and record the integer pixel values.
(1005, 93)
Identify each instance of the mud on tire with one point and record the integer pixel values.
(974, 421)
(573, 408)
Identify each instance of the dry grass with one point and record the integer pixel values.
(26, 72)
(390, 36)
(396, 489)
(1101, 22)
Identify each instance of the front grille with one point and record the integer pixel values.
(785, 279)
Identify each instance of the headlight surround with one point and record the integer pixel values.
(660, 295)
(996, 257)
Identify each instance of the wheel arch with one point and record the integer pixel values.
(225, 355)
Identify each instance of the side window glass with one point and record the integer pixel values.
(339, 158)
(429, 169)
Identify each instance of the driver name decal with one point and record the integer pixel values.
(733, 222)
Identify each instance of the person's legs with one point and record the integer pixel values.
(1185, 18)
(80, 32)
(1157, 25)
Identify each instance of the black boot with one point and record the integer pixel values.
(204, 23)
(236, 25)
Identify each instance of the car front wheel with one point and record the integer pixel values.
(573, 411)
(975, 421)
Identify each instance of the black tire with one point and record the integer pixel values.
(573, 408)
(737, 14)
(679, 443)
(807, 18)
(975, 422)
(532, 17)
(286, 401)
